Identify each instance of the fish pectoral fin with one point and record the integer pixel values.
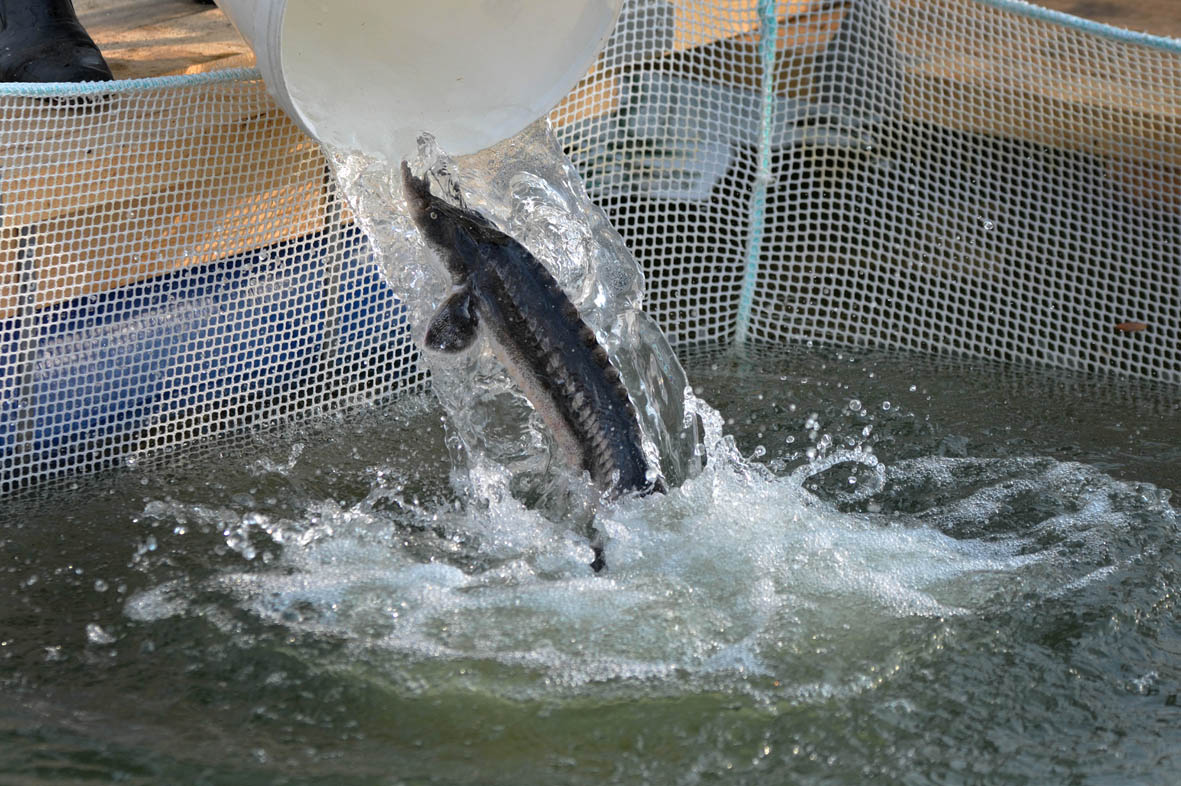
(453, 327)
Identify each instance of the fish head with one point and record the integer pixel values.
(438, 220)
(426, 209)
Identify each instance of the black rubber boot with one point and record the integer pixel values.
(42, 41)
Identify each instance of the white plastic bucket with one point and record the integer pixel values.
(371, 75)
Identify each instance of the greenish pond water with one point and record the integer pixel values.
(892, 571)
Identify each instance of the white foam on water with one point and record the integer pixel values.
(738, 579)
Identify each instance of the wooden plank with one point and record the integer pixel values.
(1158, 17)
(700, 24)
(1027, 80)
(716, 43)
(1015, 81)
(46, 176)
(736, 61)
(187, 200)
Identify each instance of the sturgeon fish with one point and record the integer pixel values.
(538, 334)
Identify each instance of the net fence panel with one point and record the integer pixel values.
(941, 175)
(976, 178)
(174, 262)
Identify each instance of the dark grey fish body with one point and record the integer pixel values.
(537, 332)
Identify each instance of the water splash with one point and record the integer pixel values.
(529, 189)
(741, 580)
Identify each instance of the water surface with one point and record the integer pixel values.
(891, 570)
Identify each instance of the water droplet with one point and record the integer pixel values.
(100, 585)
(987, 224)
(96, 635)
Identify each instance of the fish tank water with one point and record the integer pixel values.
(917, 262)
(992, 599)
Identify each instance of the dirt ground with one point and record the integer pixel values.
(1159, 17)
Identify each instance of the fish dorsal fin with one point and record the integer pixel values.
(453, 327)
